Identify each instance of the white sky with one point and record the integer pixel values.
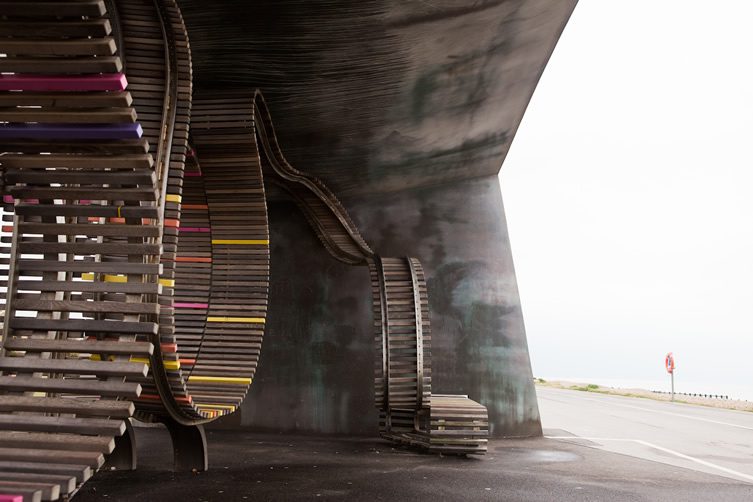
(629, 196)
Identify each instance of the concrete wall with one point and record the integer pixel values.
(316, 368)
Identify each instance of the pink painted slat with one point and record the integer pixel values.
(8, 199)
(195, 229)
(191, 305)
(99, 82)
(192, 173)
(11, 498)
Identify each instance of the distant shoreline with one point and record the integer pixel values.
(727, 404)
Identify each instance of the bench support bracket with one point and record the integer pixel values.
(189, 446)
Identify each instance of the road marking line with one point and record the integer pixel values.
(590, 438)
(696, 460)
(675, 414)
(747, 477)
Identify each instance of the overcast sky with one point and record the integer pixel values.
(629, 195)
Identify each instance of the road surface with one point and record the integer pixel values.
(710, 440)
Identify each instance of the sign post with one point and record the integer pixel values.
(669, 363)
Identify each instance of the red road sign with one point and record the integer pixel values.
(669, 363)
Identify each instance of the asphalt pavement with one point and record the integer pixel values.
(287, 467)
(709, 440)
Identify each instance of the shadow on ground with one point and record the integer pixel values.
(246, 466)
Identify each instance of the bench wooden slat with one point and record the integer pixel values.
(91, 8)
(92, 325)
(124, 147)
(84, 306)
(94, 387)
(82, 248)
(65, 484)
(81, 193)
(138, 161)
(100, 64)
(93, 459)
(78, 406)
(47, 491)
(126, 177)
(89, 266)
(100, 46)
(28, 494)
(89, 28)
(40, 423)
(80, 472)
(27, 209)
(73, 442)
(68, 116)
(91, 287)
(72, 366)
(115, 99)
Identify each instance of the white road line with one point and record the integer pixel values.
(690, 417)
(590, 438)
(742, 475)
(696, 460)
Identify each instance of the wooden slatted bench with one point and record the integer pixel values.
(138, 267)
(409, 412)
(83, 164)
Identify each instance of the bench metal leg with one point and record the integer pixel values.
(189, 446)
(123, 457)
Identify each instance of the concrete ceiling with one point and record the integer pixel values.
(375, 96)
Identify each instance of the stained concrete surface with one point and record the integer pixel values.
(246, 466)
(406, 110)
(316, 368)
(382, 95)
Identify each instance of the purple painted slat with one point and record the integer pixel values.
(11, 498)
(98, 82)
(70, 131)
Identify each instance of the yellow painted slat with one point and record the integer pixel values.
(213, 379)
(173, 198)
(97, 357)
(89, 276)
(170, 365)
(216, 406)
(258, 242)
(255, 320)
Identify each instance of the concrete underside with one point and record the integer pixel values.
(381, 95)
(246, 466)
(406, 109)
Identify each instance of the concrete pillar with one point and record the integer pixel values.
(316, 369)
(406, 109)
